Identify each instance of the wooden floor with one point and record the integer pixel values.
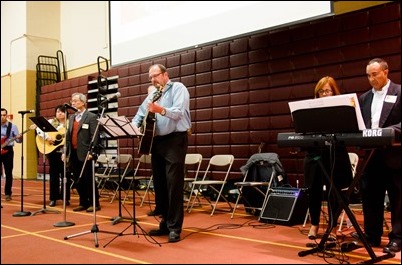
(95, 239)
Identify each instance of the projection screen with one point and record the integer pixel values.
(145, 29)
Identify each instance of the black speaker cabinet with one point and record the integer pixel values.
(285, 206)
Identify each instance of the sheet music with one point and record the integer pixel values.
(122, 128)
(338, 100)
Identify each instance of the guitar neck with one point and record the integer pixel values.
(12, 139)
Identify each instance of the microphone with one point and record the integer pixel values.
(26, 111)
(111, 98)
(67, 106)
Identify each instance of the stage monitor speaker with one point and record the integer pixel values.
(285, 206)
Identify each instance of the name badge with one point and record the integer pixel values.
(85, 126)
(390, 99)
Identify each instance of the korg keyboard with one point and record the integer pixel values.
(366, 138)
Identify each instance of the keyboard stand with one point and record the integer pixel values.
(343, 203)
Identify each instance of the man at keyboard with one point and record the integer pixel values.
(381, 107)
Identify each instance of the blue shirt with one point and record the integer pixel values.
(176, 101)
(13, 133)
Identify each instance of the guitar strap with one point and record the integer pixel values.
(8, 130)
(55, 122)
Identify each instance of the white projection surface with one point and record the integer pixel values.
(144, 29)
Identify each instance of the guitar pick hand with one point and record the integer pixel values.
(155, 107)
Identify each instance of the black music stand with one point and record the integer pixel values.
(121, 127)
(116, 128)
(45, 126)
(307, 121)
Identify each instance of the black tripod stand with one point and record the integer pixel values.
(343, 203)
(90, 154)
(46, 127)
(120, 127)
(120, 218)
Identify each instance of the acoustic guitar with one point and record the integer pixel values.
(59, 139)
(148, 128)
(5, 141)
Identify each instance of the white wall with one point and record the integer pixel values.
(84, 32)
(32, 28)
(13, 26)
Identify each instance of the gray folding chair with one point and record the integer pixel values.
(214, 183)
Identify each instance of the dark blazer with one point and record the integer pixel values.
(86, 131)
(391, 112)
(390, 117)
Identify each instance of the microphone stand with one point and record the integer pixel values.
(94, 229)
(22, 212)
(64, 223)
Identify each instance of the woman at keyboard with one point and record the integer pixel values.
(335, 160)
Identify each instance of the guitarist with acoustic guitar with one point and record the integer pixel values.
(9, 136)
(51, 144)
(163, 120)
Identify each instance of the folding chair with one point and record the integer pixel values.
(192, 163)
(261, 172)
(119, 172)
(354, 160)
(143, 164)
(104, 165)
(213, 182)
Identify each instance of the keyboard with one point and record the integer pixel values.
(369, 138)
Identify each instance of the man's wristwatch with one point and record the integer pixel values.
(163, 112)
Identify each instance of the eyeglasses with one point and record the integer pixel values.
(326, 91)
(154, 76)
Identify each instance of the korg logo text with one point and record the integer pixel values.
(372, 132)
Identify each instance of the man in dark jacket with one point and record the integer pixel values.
(381, 107)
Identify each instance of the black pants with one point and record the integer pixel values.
(168, 155)
(7, 160)
(383, 173)
(84, 184)
(56, 172)
(339, 171)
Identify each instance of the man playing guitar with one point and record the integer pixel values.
(9, 135)
(169, 105)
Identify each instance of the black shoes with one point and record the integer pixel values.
(174, 237)
(392, 247)
(88, 209)
(158, 232)
(372, 242)
(91, 209)
(79, 208)
(53, 203)
(153, 213)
